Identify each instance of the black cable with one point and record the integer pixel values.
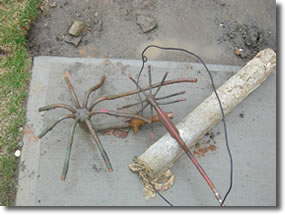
(161, 196)
(144, 60)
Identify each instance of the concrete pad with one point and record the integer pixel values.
(251, 130)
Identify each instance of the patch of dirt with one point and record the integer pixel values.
(2, 52)
(246, 40)
(219, 31)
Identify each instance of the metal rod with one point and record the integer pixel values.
(151, 108)
(138, 86)
(142, 109)
(171, 102)
(161, 83)
(85, 101)
(151, 114)
(99, 145)
(132, 92)
(118, 114)
(149, 79)
(172, 95)
(204, 175)
(68, 150)
(54, 106)
(49, 128)
(130, 105)
(71, 89)
(173, 131)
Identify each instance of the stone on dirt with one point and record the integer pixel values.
(17, 153)
(147, 23)
(73, 40)
(76, 28)
(52, 4)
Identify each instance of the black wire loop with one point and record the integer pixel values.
(144, 58)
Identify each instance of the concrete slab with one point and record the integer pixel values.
(251, 127)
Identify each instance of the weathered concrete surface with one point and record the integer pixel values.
(251, 129)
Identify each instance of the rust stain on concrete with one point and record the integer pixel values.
(29, 134)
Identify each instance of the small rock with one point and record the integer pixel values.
(76, 28)
(147, 23)
(73, 40)
(20, 144)
(17, 153)
(21, 129)
(237, 52)
(52, 4)
(242, 53)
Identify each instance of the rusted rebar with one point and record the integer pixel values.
(119, 114)
(91, 90)
(68, 150)
(55, 106)
(82, 115)
(99, 145)
(71, 90)
(49, 128)
(133, 92)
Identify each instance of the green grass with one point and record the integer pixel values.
(15, 20)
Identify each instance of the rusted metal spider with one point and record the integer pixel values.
(82, 115)
(150, 99)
